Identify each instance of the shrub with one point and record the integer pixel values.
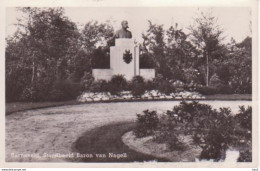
(215, 81)
(117, 84)
(146, 123)
(39, 91)
(16, 81)
(215, 146)
(245, 156)
(99, 86)
(163, 85)
(212, 130)
(225, 89)
(146, 61)
(137, 86)
(150, 85)
(100, 58)
(86, 81)
(211, 90)
(64, 90)
(167, 132)
(207, 90)
(241, 85)
(28, 94)
(244, 117)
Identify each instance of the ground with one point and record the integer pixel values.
(54, 130)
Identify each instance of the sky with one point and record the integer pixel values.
(235, 21)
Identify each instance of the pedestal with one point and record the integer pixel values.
(124, 58)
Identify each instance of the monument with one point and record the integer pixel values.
(124, 58)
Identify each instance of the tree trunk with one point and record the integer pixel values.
(33, 69)
(207, 69)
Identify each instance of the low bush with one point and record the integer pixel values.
(117, 84)
(207, 90)
(215, 146)
(166, 133)
(163, 85)
(213, 130)
(28, 94)
(146, 61)
(150, 85)
(221, 89)
(86, 81)
(245, 156)
(37, 92)
(99, 86)
(244, 117)
(100, 58)
(65, 90)
(146, 123)
(137, 86)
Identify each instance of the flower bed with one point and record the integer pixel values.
(148, 95)
(214, 131)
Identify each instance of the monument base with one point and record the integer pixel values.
(106, 74)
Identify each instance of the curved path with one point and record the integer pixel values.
(107, 140)
(48, 134)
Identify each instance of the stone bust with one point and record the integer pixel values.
(123, 32)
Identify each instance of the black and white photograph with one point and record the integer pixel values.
(131, 84)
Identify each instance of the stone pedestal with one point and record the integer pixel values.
(124, 58)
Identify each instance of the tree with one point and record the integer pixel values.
(240, 66)
(96, 34)
(181, 55)
(45, 47)
(96, 40)
(171, 51)
(154, 47)
(206, 36)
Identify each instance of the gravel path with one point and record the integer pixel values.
(48, 134)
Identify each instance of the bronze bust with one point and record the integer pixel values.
(123, 32)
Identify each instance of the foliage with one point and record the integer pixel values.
(222, 89)
(146, 123)
(117, 84)
(213, 130)
(86, 81)
(206, 36)
(166, 133)
(137, 86)
(146, 61)
(245, 156)
(44, 49)
(163, 85)
(47, 47)
(99, 86)
(240, 66)
(101, 58)
(64, 90)
(16, 81)
(96, 34)
(169, 50)
(150, 85)
(245, 117)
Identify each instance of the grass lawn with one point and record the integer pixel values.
(21, 106)
(107, 139)
(229, 97)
